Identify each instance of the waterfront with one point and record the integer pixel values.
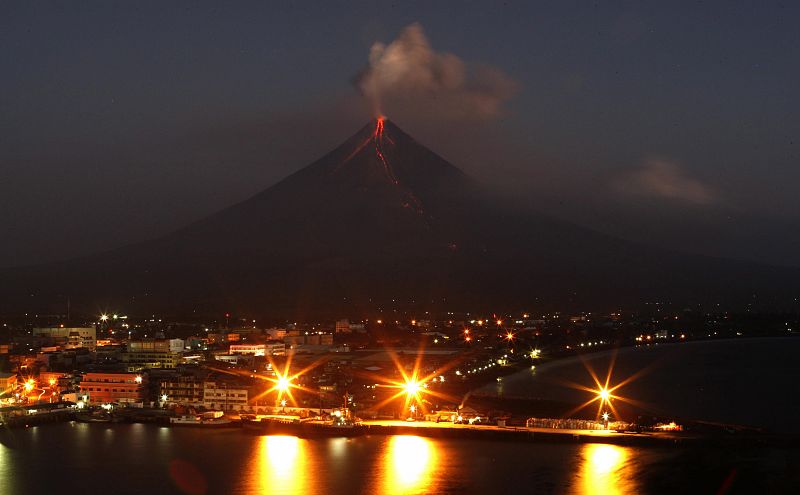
(743, 381)
(129, 459)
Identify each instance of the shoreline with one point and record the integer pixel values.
(514, 434)
(521, 399)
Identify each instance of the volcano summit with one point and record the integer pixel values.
(381, 222)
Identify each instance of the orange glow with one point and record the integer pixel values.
(604, 394)
(606, 469)
(279, 466)
(410, 463)
(379, 150)
(509, 336)
(284, 381)
(412, 387)
(282, 384)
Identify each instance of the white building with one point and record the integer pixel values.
(73, 337)
(248, 349)
(177, 345)
(224, 397)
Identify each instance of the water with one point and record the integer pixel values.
(136, 459)
(744, 381)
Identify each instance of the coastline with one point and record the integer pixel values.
(688, 394)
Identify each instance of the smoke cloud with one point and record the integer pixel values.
(408, 77)
(666, 180)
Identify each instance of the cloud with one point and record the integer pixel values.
(665, 179)
(407, 76)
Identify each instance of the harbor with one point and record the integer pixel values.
(333, 427)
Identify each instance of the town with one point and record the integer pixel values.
(119, 367)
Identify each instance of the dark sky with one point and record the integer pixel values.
(673, 123)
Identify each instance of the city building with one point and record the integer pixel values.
(279, 333)
(196, 344)
(224, 396)
(185, 390)
(7, 383)
(70, 337)
(343, 326)
(152, 354)
(106, 388)
(249, 349)
(177, 345)
(275, 348)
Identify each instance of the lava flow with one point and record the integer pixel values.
(379, 151)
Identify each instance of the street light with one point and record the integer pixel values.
(412, 387)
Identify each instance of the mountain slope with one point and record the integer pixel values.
(383, 222)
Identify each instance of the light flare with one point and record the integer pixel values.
(604, 393)
(412, 387)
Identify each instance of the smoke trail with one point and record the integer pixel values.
(408, 76)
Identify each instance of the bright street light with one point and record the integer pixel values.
(412, 387)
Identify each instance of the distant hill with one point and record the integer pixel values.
(383, 222)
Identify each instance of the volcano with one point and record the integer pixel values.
(382, 222)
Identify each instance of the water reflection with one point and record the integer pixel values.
(280, 465)
(409, 462)
(5, 470)
(605, 469)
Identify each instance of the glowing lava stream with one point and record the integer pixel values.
(378, 137)
(413, 201)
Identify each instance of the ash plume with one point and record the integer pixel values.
(407, 76)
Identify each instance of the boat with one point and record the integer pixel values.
(94, 417)
(213, 419)
(341, 424)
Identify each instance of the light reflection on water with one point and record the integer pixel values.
(5, 472)
(279, 465)
(408, 463)
(605, 469)
(235, 463)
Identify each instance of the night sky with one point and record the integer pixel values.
(672, 123)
